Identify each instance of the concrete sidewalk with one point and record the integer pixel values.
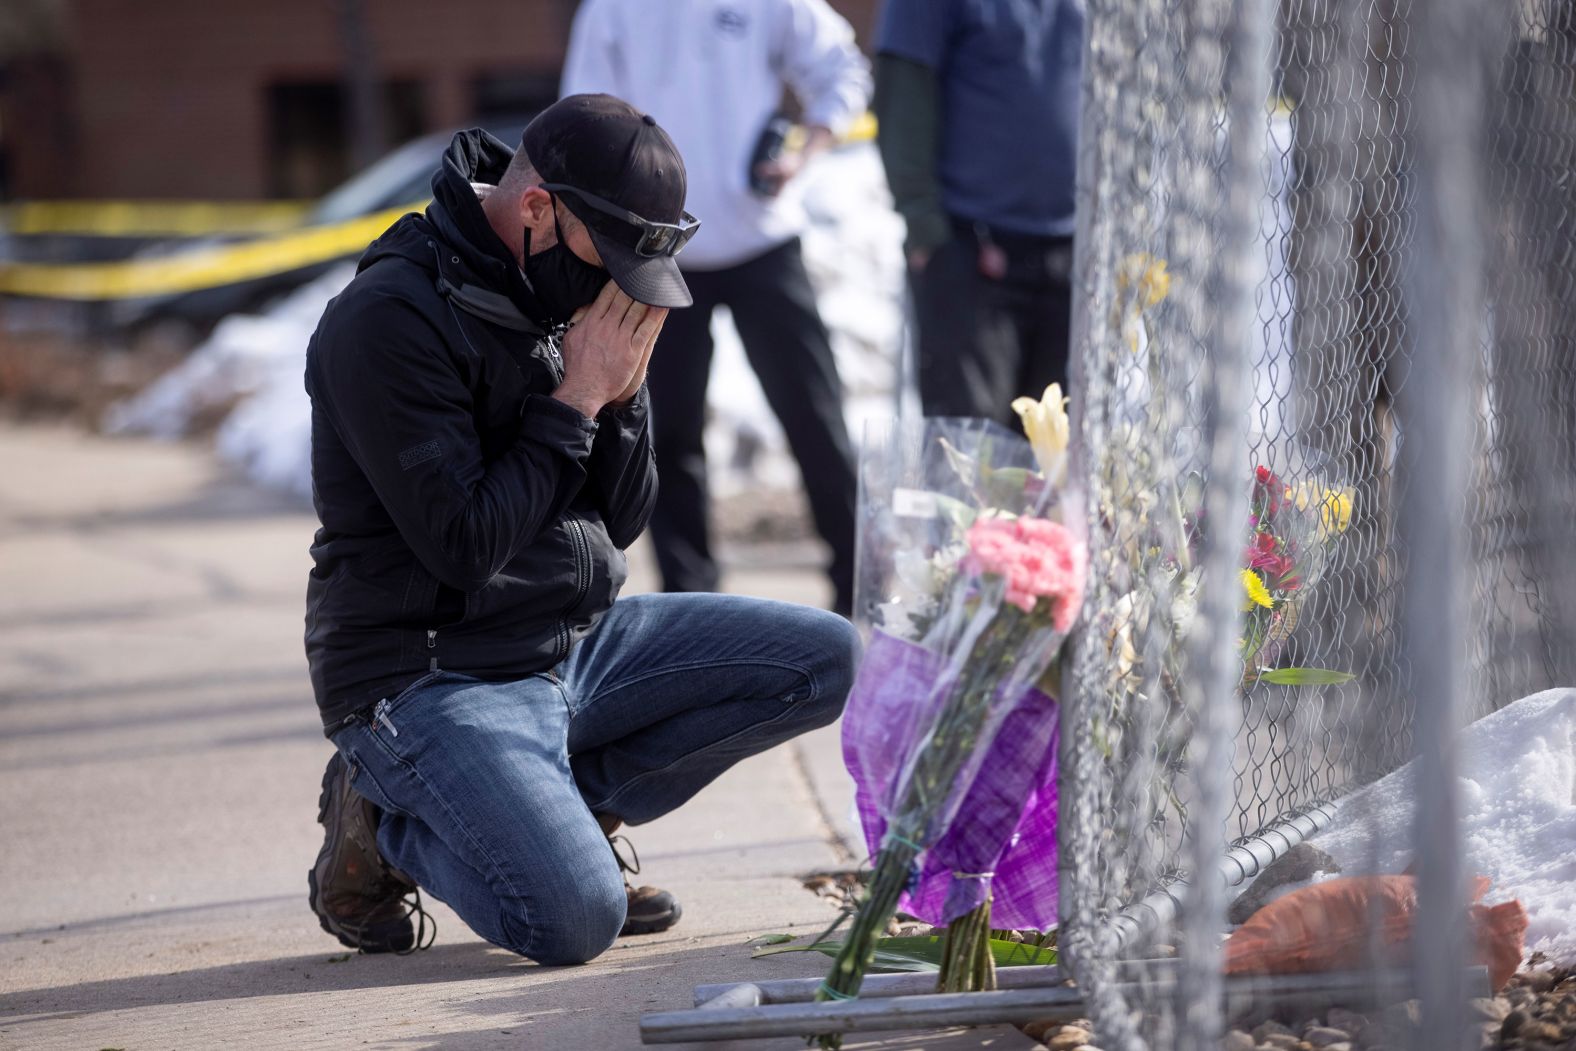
(159, 765)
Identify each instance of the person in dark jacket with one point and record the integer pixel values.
(481, 458)
(977, 107)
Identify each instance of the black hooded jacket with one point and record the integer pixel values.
(470, 522)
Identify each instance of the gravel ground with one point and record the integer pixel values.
(1535, 1012)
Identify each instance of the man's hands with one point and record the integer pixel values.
(606, 351)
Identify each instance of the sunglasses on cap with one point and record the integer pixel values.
(654, 239)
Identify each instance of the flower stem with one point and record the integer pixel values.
(966, 962)
(915, 821)
(887, 881)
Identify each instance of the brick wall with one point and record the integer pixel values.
(169, 98)
(37, 146)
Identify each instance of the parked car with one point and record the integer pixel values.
(402, 179)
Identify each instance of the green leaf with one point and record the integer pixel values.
(960, 514)
(1020, 954)
(770, 939)
(922, 953)
(963, 465)
(990, 486)
(1305, 677)
(1016, 478)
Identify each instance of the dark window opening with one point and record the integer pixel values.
(309, 149)
(510, 96)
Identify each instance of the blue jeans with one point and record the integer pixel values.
(488, 789)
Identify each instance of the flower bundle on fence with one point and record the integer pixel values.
(1152, 517)
(1146, 486)
(1291, 532)
(972, 568)
(1290, 537)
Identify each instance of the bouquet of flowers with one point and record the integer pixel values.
(972, 574)
(1147, 508)
(1155, 519)
(1291, 532)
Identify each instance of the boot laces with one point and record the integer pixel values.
(631, 864)
(426, 924)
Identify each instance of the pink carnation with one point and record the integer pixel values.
(1038, 558)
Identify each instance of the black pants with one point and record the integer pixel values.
(773, 307)
(985, 341)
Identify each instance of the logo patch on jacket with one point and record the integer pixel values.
(419, 454)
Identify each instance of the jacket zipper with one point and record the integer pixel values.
(582, 562)
(582, 582)
(432, 644)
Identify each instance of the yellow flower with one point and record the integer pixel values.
(1147, 274)
(1335, 505)
(1257, 593)
(1046, 424)
(1335, 512)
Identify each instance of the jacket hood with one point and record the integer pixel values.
(463, 229)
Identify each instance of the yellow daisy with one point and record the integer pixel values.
(1257, 593)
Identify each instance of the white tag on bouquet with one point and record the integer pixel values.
(914, 503)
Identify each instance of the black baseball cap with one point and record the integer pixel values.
(606, 148)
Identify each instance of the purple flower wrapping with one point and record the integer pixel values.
(1006, 824)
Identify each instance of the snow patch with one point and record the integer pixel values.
(1518, 816)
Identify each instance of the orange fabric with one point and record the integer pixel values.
(1501, 933)
(1333, 925)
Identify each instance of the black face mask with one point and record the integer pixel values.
(562, 281)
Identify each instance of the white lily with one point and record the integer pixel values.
(1046, 424)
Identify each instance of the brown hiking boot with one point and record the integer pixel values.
(359, 898)
(650, 909)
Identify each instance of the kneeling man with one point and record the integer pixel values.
(481, 458)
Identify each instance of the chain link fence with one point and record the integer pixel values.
(1327, 297)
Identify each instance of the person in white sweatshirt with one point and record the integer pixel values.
(713, 72)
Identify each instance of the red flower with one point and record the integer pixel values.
(1261, 551)
(1267, 491)
(1270, 553)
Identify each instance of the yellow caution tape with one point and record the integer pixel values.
(202, 218)
(203, 268)
(151, 218)
(863, 129)
(295, 249)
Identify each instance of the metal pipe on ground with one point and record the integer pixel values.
(878, 986)
(1356, 990)
(1131, 928)
(740, 994)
